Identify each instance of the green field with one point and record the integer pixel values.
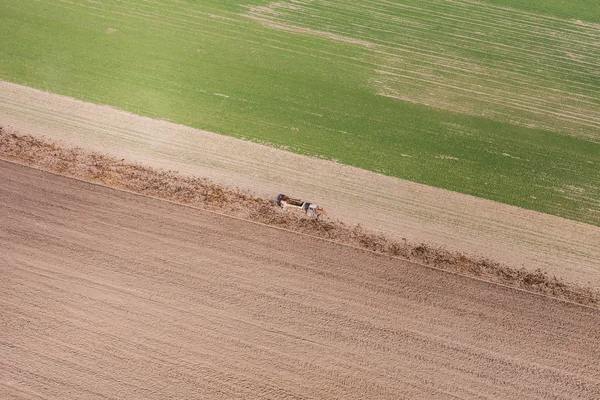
(470, 96)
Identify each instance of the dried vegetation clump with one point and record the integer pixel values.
(205, 194)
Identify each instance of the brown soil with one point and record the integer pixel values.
(107, 294)
(203, 193)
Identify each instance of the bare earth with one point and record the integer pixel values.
(402, 209)
(106, 294)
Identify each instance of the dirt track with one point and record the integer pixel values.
(109, 294)
(516, 237)
(207, 195)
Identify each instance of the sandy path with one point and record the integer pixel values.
(105, 294)
(508, 234)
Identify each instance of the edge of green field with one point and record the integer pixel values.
(219, 71)
(586, 10)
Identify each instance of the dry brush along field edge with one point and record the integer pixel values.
(205, 194)
(395, 207)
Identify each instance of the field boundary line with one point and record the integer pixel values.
(6, 159)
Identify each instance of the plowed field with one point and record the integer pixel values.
(106, 294)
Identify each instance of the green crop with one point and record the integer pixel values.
(472, 97)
